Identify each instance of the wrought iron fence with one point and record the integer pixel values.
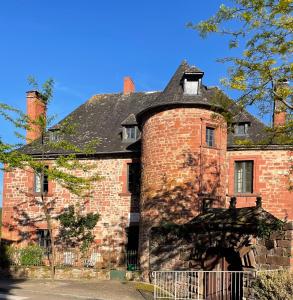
(93, 258)
(132, 260)
(209, 285)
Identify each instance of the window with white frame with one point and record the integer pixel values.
(41, 183)
(130, 133)
(243, 177)
(241, 128)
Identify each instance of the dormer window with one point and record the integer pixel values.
(54, 136)
(191, 87)
(130, 133)
(241, 128)
(192, 81)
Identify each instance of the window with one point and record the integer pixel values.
(130, 133)
(191, 86)
(54, 136)
(244, 176)
(41, 185)
(133, 182)
(210, 137)
(43, 238)
(241, 128)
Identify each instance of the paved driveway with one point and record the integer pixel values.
(65, 290)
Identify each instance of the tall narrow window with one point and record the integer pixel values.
(244, 176)
(41, 184)
(44, 240)
(133, 182)
(210, 137)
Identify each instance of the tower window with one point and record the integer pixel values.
(133, 178)
(130, 133)
(210, 137)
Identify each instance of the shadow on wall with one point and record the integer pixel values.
(175, 248)
(177, 202)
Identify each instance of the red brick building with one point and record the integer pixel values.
(162, 157)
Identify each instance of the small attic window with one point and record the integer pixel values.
(130, 133)
(241, 128)
(191, 85)
(54, 136)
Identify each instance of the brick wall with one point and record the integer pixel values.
(271, 180)
(177, 165)
(110, 198)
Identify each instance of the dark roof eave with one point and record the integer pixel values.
(259, 147)
(165, 106)
(85, 155)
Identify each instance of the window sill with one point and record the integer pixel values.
(35, 194)
(211, 147)
(246, 195)
(128, 194)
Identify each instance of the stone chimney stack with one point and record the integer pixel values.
(279, 116)
(35, 108)
(129, 86)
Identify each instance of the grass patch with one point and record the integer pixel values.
(146, 287)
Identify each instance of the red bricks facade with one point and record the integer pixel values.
(177, 167)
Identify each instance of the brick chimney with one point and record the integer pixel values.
(129, 86)
(35, 108)
(279, 117)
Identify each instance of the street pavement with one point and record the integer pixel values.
(67, 290)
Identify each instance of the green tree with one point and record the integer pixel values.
(262, 30)
(76, 228)
(64, 168)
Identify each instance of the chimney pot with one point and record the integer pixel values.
(35, 109)
(279, 117)
(129, 86)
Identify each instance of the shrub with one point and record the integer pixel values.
(274, 285)
(31, 256)
(8, 255)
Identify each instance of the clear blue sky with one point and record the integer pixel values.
(88, 46)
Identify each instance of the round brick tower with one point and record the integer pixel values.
(184, 144)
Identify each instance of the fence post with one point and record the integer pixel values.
(155, 287)
(176, 285)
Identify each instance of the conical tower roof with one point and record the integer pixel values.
(173, 94)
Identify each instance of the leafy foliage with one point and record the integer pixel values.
(262, 29)
(31, 256)
(76, 229)
(274, 285)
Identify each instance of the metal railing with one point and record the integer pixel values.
(209, 285)
(132, 260)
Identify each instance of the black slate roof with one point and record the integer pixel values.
(103, 116)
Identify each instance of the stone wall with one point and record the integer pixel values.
(276, 251)
(22, 215)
